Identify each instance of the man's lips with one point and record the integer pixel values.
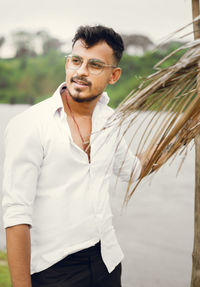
(80, 82)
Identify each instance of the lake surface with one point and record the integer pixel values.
(155, 230)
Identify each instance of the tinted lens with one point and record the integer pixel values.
(95, 67)
(74, 62)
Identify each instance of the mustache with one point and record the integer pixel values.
(82, 79)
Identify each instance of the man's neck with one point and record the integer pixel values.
(84, 109)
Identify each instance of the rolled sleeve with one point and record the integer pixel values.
(23, 156)
(126, 164)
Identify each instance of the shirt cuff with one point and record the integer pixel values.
(15, 215)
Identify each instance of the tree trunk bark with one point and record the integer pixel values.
(195, 282)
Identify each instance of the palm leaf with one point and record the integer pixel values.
(171, 94)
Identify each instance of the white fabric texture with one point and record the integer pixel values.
(49, 183)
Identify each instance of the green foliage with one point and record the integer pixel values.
(26, 80)
(4, 272)
(31, 79)
(4, 277)
(3, 255)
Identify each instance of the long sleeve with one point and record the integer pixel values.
(23, 157)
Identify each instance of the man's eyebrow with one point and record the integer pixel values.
(74, 55)
(96, 60)
(92, 59)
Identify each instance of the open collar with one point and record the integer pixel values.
(57, 103)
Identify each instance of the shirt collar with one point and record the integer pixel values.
(56, 99)
(57, 103)
(104, 99)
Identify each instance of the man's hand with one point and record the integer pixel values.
(18, 250)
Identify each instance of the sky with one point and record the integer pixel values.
(61, 18)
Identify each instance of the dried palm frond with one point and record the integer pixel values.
(170, 94)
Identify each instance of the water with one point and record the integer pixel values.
(155, 230)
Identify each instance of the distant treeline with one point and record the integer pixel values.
(32, 78)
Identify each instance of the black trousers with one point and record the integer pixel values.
(81, 269)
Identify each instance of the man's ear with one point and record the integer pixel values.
(116, 73)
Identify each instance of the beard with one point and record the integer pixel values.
(76, 96)
(78, 99)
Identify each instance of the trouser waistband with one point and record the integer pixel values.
(93, 250)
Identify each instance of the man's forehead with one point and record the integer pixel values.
(100, 50)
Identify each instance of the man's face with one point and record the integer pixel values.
(84, 86)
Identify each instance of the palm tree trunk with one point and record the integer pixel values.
(195, 282)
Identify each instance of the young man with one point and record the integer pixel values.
(58, 166)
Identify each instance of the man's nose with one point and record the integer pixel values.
(83, 70)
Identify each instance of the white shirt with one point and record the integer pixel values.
(50, 184)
